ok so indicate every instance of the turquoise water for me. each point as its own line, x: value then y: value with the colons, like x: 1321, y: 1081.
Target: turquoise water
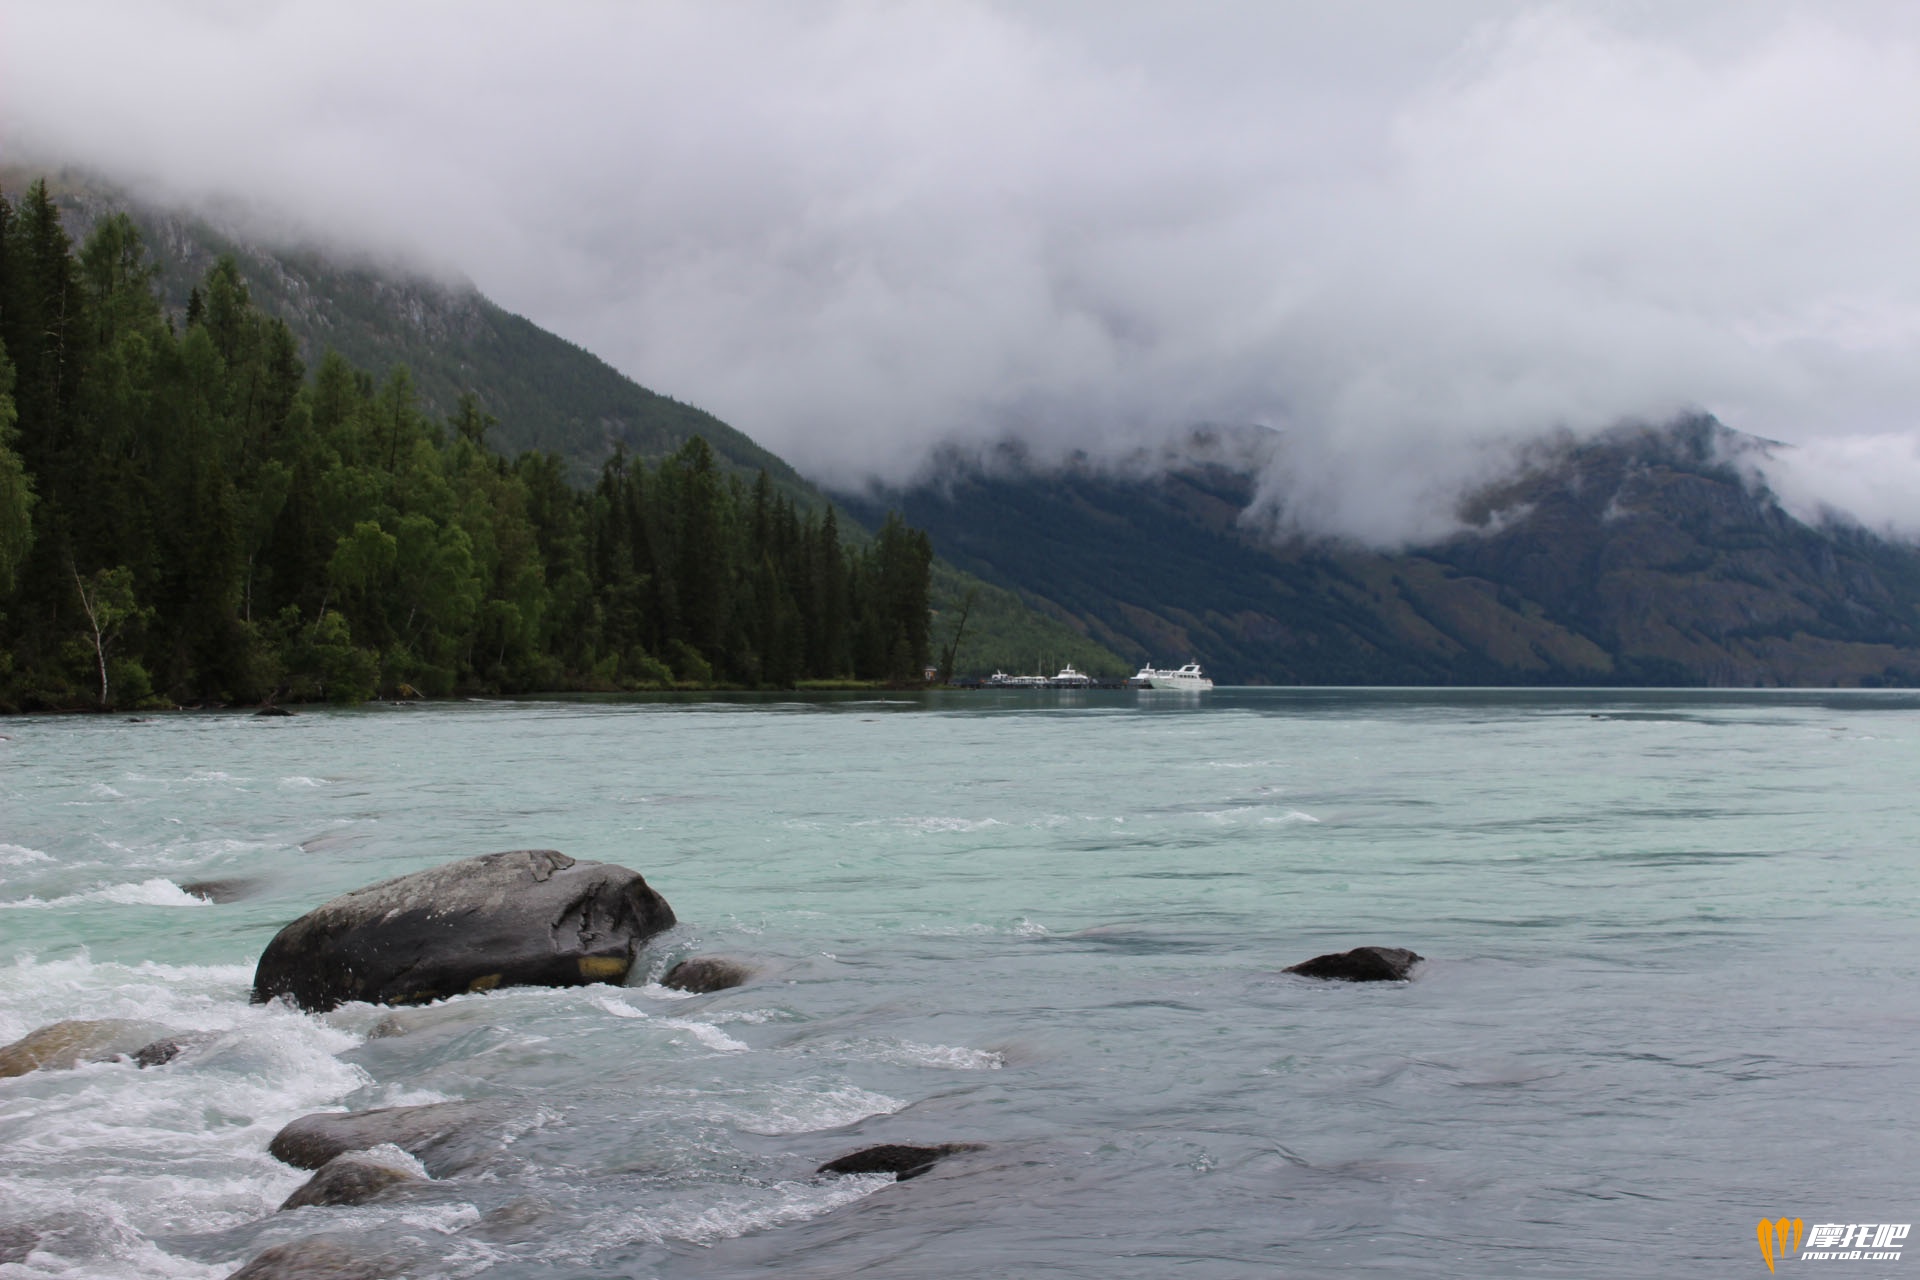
x: 1670, y: 987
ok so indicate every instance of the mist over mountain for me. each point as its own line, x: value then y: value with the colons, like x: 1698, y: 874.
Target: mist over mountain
x: 1645, y: 556
x: 1410, y: 238
x: 544, y: 392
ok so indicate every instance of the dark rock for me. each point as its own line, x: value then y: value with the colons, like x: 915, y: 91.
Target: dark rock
x: 1362, y: 964
x: 531, y: 917
x: 16, y: 1242
x: 273, y: 711
x: 320, y: 1258
x: 443, y: 1136
x: 60, y: 1045
x: 160, y: 1052
x: 703, y: 974
x: 898, y: 1159
x: 222, y: 890
x: 512, y: 1222
x: 353, y: 1177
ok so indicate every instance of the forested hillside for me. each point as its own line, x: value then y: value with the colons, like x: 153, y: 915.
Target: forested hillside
x: 544, y: 392
x: 186, y: 516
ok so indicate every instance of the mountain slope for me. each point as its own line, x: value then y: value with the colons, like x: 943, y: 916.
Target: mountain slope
x: 547, y: 393
x: 1641, y: 558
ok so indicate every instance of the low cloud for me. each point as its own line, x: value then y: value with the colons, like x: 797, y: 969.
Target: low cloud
x: 1404, y: 237
x: 1866, y: 480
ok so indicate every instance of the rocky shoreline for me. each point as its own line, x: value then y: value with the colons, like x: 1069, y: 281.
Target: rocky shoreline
x: 518, y: 918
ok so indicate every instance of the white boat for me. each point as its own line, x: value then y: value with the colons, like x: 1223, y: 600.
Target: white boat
x: 1189, y: 677
x: 1067, y: 679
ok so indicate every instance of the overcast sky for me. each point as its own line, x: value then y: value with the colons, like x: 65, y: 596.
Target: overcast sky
x: 1404, y: 234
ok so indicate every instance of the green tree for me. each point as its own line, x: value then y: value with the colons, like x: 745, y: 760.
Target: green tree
x: 267, y: 531
x: 16, y: 489
x: 107, y: 601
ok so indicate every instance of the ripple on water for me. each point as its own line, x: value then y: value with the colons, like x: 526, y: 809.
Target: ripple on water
x: 15, y: 855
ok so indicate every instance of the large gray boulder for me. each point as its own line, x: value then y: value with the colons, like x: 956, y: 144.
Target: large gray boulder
x: 532, y: 917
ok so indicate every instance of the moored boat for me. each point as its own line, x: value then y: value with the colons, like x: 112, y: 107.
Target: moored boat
x: 1189, y: 678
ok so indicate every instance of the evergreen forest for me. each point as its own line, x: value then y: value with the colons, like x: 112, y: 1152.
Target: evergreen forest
x: 188, y: 517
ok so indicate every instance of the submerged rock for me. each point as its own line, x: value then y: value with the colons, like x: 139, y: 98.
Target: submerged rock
x: 1362, y: 964
x: 901, y: 1160
x: 320, y: 1258
x: 531, y: 917
x: 354, y: 1177
x: 273, y: 711
x: 60, y: 1045
x: 17, y: 1240
x: 391, y: 1025
x: 443, y: 1136
x: 230, y: 890
x: 165, y: 1050
x: 704, y: 974
x: 512, y: 1222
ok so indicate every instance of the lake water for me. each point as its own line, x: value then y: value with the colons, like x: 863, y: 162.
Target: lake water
x: 1670, y: 986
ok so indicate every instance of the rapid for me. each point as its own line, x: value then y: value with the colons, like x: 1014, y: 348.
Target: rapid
x: 1670, y: 984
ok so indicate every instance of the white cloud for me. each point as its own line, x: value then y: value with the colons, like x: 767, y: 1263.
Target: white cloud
x: 1868, y: 480
x: 1404, y: 235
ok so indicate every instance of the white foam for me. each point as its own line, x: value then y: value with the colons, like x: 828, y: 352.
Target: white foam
x: 1236, y: 814
x: 701, y: 1218
x: 147, y: 893
x: 299, y: 781
x: 934, y: 825
x: 388, y: 1156
x: 777, y: 1205
x: 796, y: 1109
x: 1021, y: 928
x: 18, y: 855
x: 443, y: 1219
x: 909, y: 1053
x: 88, y: 1238
x: 706, y: 1033
x: 621, y: 1009
x: 185, y: 1143
x: 752, y: 1017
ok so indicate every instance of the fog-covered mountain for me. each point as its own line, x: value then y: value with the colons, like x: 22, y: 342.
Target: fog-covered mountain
x: 1649, y: 556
